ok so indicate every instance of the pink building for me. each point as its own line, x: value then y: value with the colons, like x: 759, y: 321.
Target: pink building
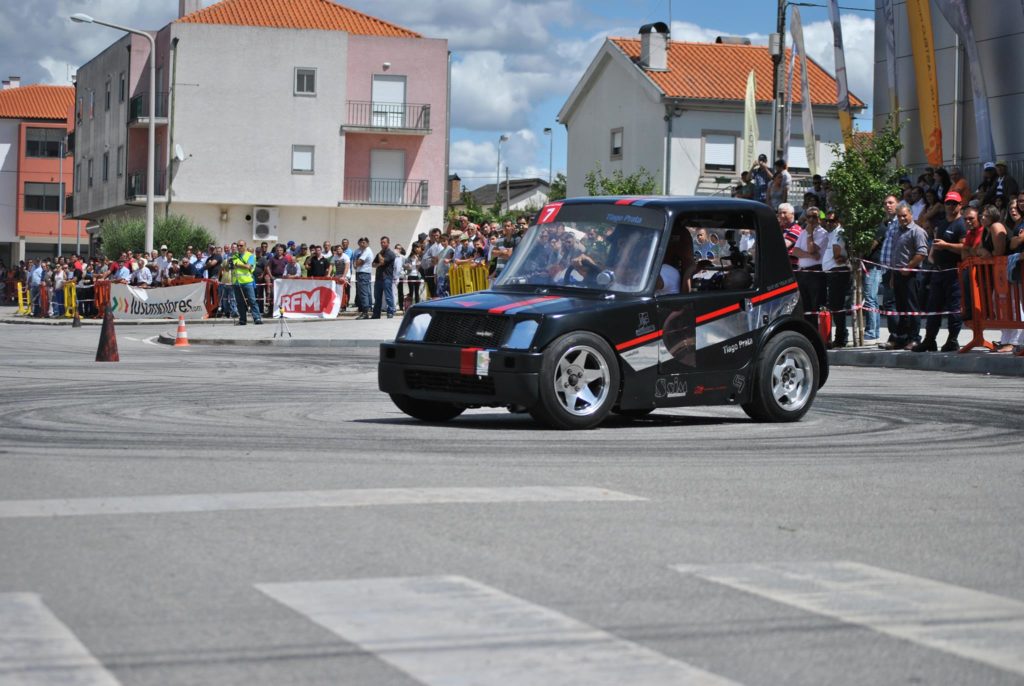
x: 303, y: 121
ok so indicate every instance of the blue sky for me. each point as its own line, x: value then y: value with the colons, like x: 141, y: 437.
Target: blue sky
x: 514, y: 63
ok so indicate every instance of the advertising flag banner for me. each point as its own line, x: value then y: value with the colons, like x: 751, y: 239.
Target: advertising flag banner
x: 922, y: 43
x: 842, y: 90
x: 955, y: 12
x: 307, y: 298
x: 805, y: 94
x: 750, y: 130
x: 129, y: 302
x: 787, y: 123
x: 890, y: 56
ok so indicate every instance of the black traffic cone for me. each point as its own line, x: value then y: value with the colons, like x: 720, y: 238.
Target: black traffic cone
x: 107, y: 352
x: 76, y: 322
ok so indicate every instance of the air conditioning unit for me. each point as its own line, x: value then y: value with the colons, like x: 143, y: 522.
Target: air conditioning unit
x: 264, y: 223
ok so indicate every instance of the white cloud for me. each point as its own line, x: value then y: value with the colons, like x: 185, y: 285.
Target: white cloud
x: 687, y: 31
x: 859, y: 43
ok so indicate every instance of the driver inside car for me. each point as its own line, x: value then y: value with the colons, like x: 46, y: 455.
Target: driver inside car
x: 627, y: 247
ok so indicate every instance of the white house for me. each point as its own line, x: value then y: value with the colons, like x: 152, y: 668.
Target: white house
x: 676, y: 110
x: 518, y: 195
x: 304, y: 120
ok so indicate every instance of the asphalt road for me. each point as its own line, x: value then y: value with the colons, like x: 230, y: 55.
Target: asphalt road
x: 163, y: 519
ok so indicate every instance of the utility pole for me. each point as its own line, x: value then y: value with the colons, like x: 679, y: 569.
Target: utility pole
x: 777, y: 47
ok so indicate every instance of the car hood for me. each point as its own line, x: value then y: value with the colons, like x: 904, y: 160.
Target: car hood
x: 497, y: 303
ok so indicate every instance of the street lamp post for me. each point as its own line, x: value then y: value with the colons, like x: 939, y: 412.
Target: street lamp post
x: 151, y: 153
x: 497, y: 177
x: 551, y: 152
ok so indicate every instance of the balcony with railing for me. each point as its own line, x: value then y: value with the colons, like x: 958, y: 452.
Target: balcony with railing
x: 398, y: 118
x: 135, y: 187
x: 138, y: 109
x: 387, y: 192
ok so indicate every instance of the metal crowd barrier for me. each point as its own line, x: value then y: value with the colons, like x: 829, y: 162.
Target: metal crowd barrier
x: 467, y: 278
x: 995, y: 302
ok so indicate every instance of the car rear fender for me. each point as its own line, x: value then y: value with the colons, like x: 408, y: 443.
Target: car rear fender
x: 800, y: 326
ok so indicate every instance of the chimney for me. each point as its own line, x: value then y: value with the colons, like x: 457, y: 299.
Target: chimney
x: 455, y: 188
x: 188, y: 7
x: 12, y: 82
x: 654, y: 46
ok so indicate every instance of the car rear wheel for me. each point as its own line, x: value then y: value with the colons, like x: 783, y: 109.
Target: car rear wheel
x: 579, y: 382
x: 426, y: 410
x: 785, y: 379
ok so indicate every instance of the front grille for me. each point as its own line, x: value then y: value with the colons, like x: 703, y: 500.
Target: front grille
x: 447, y: 382
x: 467, y: 330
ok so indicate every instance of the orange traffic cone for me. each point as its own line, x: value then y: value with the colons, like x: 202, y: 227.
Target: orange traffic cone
x: 107, y: 351
x: 181, y: 340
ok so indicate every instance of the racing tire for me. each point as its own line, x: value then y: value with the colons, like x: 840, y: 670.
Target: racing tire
x: 426, y: 410
x: 786, y: 377
x: 579, y: 382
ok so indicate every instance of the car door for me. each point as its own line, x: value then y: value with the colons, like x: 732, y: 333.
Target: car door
x: 708, y: 333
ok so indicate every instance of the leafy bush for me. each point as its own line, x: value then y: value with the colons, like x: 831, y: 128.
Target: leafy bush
x: 640, y: 182
x: 176, y: 232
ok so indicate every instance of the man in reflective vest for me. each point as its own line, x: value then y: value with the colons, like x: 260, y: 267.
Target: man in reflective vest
x: 242, y: 265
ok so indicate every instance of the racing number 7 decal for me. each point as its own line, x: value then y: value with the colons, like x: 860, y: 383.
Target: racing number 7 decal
x: 548, y: 214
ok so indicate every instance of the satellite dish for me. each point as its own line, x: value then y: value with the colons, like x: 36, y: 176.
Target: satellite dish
x: 179, y: 152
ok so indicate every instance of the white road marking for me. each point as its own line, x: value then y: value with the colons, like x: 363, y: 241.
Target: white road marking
x: 967, y: 623
x: 453, y: 631
x: 280, y: 500
x: 37, y: 649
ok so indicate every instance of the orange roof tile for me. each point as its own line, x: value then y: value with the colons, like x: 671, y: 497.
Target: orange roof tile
x: 37, y: 102
x: 296, y: 14
x: 718, y: 71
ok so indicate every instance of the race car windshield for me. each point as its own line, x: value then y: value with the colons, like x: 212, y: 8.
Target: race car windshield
x: 607, y: 251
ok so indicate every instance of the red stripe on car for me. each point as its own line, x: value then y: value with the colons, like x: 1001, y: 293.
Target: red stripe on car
x: 467, y: 361
x: 771, y: 294
x: 521, y: 303
x: 735, y: 307
x: 639, y: 340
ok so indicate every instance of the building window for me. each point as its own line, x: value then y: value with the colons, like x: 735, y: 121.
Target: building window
x: 78, y: 110
x: 305, y: 81
x: 43, y: 197
x: 797, y: 162
x: 43, y: 142
x: 89, y: 175
x: 78, y: 177
x: 106, y: 166
x: 106, y: 97
x: 720, y: 152
x: 616, y: 144
x: 120, y: 161
x: 122, y: 88
x: 302, y: 159
x: 92, y: 104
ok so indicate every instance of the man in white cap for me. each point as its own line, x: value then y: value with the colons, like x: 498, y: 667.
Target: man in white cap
x: 1006, y: 185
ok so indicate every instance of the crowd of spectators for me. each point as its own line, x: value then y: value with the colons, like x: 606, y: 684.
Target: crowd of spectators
x: 911, y: 268
x: 377, y: 283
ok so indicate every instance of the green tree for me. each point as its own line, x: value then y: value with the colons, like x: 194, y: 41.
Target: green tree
x: 861, y: 176
x: 640, y: 182
x: 122, y: 234
x: 557, y: 190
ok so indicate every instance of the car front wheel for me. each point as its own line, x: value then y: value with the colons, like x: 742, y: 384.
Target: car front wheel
x: 579, y: 382
x: 426, y: 410
x: 785, y: 379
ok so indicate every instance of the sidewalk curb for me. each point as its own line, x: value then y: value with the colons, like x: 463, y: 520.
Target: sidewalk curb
x: 955, y: 363
x: 32, y: 321
x: 168, y: 339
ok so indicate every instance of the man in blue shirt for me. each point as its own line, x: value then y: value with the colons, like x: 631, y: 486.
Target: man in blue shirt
x: 35, y: 281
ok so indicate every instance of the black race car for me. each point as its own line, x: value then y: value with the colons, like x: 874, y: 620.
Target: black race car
x: 619, y: 305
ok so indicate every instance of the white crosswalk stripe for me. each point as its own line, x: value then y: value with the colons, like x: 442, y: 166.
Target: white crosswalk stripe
x: 37, y: 649
x: 280, y: 500
x: 964, y: 622
x: 453, y: 631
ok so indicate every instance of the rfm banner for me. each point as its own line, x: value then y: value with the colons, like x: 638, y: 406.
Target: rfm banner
x: 159, y: 303
x: 307, y: 298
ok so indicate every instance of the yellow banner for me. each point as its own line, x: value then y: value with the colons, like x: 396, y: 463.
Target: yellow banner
x: 919, y: 17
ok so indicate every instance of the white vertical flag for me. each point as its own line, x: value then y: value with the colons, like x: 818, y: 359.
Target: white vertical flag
x: 842, y: 90
x: 750, y: 130
x: 810, y: 145
x: 787, y: 130
x: 955, y: 12
x: 890, y: 56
